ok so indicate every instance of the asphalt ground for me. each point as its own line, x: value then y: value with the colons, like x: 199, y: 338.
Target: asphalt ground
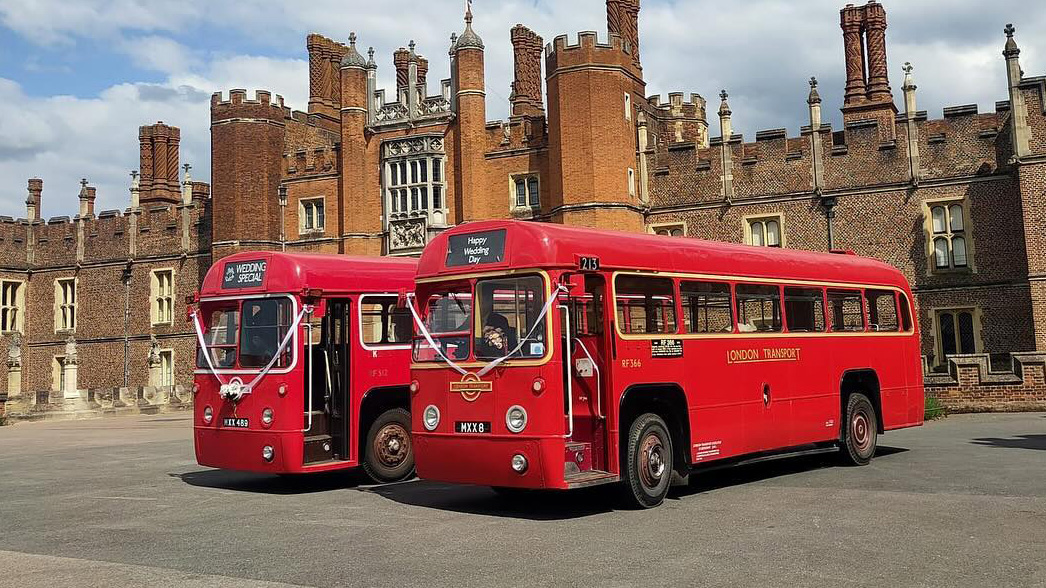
x: 121, y: 502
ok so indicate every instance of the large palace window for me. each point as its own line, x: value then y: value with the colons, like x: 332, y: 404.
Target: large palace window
x: 948, y: 236
x: 415, y: 184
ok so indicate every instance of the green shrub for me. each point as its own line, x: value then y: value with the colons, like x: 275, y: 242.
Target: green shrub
x: 934, y: 409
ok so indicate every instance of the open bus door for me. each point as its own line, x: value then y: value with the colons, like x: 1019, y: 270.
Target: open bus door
x: 587, y: 368
x: 326, y: 425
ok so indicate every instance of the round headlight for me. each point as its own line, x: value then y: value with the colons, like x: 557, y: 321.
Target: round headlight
x: 516, y: 419
x: 208, y: 414
x: 267, y: 416
x: 431, y: 417
x: 519, y: 463
x: 268, y: 453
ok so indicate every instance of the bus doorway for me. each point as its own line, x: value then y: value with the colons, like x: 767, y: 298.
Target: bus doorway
x: 588, y: 371
x: 327, y: 407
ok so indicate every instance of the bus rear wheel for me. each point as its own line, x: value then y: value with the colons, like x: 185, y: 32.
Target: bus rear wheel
x: 860, y: 431
x: 388, y: 452
x: 648, y: 462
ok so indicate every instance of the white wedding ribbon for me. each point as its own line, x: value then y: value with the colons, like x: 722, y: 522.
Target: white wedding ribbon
x: 235, y: 389
x: 493, y: 364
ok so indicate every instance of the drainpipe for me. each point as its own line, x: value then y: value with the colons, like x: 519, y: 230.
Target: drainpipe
x: 281, y: 195
x: 829, y: 202
x: 126, y: 325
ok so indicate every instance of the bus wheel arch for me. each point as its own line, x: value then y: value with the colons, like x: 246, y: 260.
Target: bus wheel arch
x: 864, y: 381
x: 667, y: 401
x: 384, y: 420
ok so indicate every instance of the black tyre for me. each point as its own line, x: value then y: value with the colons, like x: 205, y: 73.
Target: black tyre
x: 647, y: 462
x: 860, y: 431
x: 388, y: 454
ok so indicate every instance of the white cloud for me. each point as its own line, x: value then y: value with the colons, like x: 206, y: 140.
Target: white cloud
x: 162, y: 54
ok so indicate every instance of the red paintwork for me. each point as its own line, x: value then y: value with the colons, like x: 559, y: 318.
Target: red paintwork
x: 338, y: 276
x: 725, y: 407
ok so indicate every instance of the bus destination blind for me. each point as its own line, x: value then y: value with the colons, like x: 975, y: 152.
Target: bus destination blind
x: 476, y: 248
x: 244, y: 274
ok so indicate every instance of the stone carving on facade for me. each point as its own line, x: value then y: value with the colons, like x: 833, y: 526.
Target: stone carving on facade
x: 407, y: 234
x: 71, y: 357
x: 154, y: 351
x: 434, y: 105
x: 413, y: 146
x: 14, y: 351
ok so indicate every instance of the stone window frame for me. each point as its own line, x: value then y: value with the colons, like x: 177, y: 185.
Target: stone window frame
x: 60, y: 304
x: 399, y: 194
x: 319, y: 223
x: 529, y: 206
x: 167, y: 370
x: 656, y: 228
x: 17, y: 305
x: 157, y: 298
x: 58, y: 373
x: 631, y: 175
x: 628, y: 106
x: 939, y: 360
x: 750, y: 220
x: 949, y: 234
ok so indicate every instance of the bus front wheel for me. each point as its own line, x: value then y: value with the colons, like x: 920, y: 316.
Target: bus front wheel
x: 860, y: 431
x: 388, y: 453
x: 648, y: 461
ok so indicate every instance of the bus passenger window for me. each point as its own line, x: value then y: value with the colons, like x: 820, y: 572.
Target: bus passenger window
x: 758, y: 308
x: 382, y: 323
x: 906, y: 313
x: 847, y: 314
x: 706, y: 307
x: 804, y: 310
x: 645, y: 305
x: 882, y: 310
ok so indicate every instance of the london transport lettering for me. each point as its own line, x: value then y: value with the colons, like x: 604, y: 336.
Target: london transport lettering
x: 762, y: 354
x: 244, y: 274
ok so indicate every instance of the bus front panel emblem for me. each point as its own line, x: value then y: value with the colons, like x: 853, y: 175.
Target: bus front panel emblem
x: 471, y: 387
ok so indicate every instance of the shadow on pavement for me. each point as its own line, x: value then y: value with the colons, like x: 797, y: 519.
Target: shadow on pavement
x: 1018, y: 442
x: 546, y: 505
x: 271, y: 484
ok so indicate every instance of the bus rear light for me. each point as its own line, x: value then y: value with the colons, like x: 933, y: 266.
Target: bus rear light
x: 539, y: 385
x: 283, y: 390
x: 430, y: 417
x: 414, y: 386
x: 208, y: 415
x: 268, y: 453
x: 516, y: 419
x: 195, y: 388
x: 267, y: 415
x: 519, y: 463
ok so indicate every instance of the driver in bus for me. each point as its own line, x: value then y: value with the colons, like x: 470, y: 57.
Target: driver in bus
x: 495, y: 340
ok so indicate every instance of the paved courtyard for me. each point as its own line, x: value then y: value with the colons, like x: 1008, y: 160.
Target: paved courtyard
x: 121, y: 502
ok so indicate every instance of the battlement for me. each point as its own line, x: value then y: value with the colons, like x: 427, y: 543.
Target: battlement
x: 237, y: 105
x: 589, y: 50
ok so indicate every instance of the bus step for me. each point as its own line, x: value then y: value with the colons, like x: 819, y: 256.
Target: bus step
x: 319, y: 423
x: 578, y: 458
x: 318, y: 448
x: 590, y: 478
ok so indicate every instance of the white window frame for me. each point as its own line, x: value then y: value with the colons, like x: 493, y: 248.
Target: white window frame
x: 307, y: 213
x: 628, y: 106
x: 526, y: 177
x: 161, y: 304
x: 17, y: 305
x: 762, y: 220
x: 948, y: 234
x: 365, y: 299
x: 406, y: 197
x: 660, y: 228
x: 62, y: 306
x: 166, y: 369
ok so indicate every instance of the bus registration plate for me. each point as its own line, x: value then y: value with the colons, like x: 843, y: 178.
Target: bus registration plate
x: 235, y: 423
x: 472, y: 427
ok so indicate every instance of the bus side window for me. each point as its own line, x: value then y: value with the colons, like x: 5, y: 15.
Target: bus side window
x: 382, y: 322
x: 804, y: 310
x: 847, y: 313
x: 906, y: 312
x: 588, y: 308
x: 758, y: 308
x: 706, y: 307
x: 645, y: 305
x: 882, y: 310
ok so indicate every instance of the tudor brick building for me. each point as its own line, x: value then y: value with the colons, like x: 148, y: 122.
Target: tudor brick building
x: 956, y: 203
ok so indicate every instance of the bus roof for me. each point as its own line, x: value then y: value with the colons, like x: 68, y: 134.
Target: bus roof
x: 243, y: 273
x: 529, y: 244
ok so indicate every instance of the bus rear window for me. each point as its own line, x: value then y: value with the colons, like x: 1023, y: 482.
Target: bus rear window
x: 645, y: 305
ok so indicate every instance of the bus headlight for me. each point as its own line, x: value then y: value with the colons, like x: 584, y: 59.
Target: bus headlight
x: 208, y: 415
x: 519, y: 463
x: 267, y: 415
x: 516, y: 419
x: 431, y: 417
x: 268, y: 453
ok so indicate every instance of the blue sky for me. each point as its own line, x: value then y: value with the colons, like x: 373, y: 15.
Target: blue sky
x: 77, y: 77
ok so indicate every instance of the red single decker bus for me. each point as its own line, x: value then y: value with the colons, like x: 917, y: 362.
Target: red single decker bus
x: 303, y: 364
x: 558, y: 357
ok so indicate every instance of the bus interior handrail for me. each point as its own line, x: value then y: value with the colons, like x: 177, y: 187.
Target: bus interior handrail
x: 570, y: 376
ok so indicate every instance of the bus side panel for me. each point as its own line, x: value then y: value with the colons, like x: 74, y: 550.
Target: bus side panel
x: 724, y: 413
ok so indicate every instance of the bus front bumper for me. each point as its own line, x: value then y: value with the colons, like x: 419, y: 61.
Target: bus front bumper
x: 242, y: 450
x: 487, y: 460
